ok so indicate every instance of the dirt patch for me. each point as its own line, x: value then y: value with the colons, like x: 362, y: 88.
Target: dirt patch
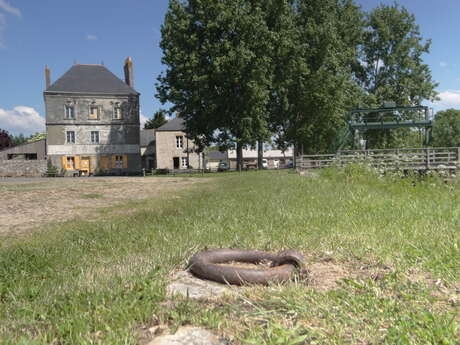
x: 325, y: 273
x: 30, y: 203
x: 325, y: 276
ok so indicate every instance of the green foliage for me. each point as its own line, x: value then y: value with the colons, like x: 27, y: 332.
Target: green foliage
x: 19, y: 139
x: 22, y: 139
x: 158, y: 120
x: 446, y: 128
x: 218, y: 69
x: 313, y: 86
x: 241, y: 71
x: 51, y: 170
x: 36, y: 137
x: 392, y: 68
x: 5, y: 140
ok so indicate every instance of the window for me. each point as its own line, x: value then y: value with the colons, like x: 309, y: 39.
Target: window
x: 117, y: 114
x: 179, y: 142
x: 184, y: 162
x: 118, y: 162
x: 70, y: 137
x: 30, y: 156
x: 69, y: 112
x: 70, y: 163
x: 94, y: 137
x: 93, y: 112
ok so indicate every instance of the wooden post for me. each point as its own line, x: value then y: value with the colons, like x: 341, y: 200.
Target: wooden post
x: 427, y: 159
x: 458, y: 156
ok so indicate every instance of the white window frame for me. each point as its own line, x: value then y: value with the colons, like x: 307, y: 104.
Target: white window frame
x: 179, y: 142
x: 119, y: 161
x: 117, y: 112
x: 94, y: 135
x: 71, y: 160
x: 67, y: 108
x: 184, y: 162
x: 70, y: 135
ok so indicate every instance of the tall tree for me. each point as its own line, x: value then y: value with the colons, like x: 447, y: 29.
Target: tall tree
x: 5, y: 139
x: 392, y: 67
x: 218, y: 72
x: 313, y: 78
x: 446, y: 128
x: 158, y: 120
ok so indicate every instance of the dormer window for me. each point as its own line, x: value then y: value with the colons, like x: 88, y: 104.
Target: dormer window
x: 69, y: 112
x: 93, y: 112
x: 117, y: 113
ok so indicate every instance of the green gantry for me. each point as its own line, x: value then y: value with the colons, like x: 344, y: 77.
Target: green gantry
x: 387, y: 117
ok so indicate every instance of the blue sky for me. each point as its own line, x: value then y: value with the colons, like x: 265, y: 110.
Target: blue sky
x: 34, y: 33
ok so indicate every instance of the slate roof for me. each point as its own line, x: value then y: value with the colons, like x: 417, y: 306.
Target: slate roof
x: 91, y: 79
x: 147, y: 137
x: 176, y: 124
x: 217, y: 155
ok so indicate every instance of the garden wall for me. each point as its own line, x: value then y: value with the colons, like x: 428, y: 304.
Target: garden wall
x: 22, y: 168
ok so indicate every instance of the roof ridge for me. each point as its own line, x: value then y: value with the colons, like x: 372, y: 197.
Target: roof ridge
x: 100, y: 80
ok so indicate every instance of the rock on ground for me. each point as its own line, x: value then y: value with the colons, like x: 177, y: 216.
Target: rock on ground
x: 185, y: 284
x: 309, y: 174
x: 189, y: 336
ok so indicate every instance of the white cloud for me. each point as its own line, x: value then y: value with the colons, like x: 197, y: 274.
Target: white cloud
x: 143, y: 119
x: 10, y: 9
x: 90, y: 37
x: 443, y: 64
x: 21, y: 119
x: 449, y: 98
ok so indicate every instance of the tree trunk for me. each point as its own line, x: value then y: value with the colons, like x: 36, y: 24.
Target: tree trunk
x: 239, y: 156
x: 295, y: 153
x: 260, y: 153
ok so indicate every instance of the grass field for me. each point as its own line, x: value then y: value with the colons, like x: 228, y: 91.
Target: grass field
x: 387, y: 248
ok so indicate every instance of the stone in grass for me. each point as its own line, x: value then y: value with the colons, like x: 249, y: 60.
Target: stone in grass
x: 309, y: 174
x: 185, y: 284
x: 189, y: 336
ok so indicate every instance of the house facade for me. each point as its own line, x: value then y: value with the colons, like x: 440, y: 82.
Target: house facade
x: 173, y: 149
x: 274, y: 158
x: 92, y: 121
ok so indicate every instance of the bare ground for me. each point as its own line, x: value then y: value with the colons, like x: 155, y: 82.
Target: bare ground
x: 27, y: 204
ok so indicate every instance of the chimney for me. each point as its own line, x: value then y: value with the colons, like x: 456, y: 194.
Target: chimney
x: 129, y: 71
x: 47, y: 76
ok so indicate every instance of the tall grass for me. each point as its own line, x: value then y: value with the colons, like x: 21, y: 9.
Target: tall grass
x: 94, y: 283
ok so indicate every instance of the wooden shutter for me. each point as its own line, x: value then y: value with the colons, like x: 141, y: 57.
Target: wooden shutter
x: 125, y: 161
x: 77, y: 162
x: 114, y: 161
x: 104, y: 164
x: 64, y: 162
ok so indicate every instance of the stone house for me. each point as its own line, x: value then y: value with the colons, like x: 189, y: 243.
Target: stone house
x: 173, y: 150
x: 274, y: 158
x: 92, y: 121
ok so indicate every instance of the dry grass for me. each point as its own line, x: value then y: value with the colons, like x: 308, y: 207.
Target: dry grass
x: 35, y: 202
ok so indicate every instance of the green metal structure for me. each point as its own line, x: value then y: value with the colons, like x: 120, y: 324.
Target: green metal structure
x: 387, y: 117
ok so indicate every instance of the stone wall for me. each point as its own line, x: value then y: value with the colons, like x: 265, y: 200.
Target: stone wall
x: 166, y: 150
x: 22, y: 168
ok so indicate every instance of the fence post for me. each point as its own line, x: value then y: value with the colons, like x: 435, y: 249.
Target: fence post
x: 458, y: 156
x: 427, y: 159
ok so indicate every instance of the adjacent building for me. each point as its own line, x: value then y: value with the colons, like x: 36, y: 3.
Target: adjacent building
x: 173, y: 149
x: 92, y: 121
